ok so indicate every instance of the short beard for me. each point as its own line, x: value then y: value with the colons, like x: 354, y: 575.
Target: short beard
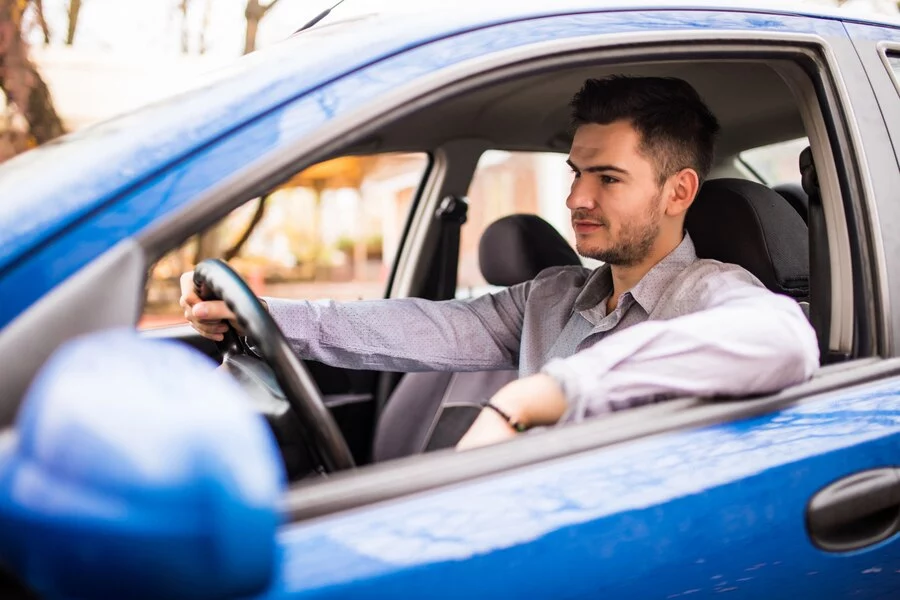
x: 634, y: 243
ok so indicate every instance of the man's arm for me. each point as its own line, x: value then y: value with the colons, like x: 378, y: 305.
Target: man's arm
x: 402, y: 335
x: 407, y: 334
x: 749, y: 342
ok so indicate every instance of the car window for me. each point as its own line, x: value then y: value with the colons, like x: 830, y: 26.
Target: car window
x: 507, y: 183
x: 332, y: 231
x: 775, y: 164
x: 893, y: 59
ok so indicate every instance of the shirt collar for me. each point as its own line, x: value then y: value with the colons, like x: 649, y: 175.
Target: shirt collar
x: 649, y: 289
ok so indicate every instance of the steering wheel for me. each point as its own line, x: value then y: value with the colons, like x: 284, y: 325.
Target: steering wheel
x: 215, y: 280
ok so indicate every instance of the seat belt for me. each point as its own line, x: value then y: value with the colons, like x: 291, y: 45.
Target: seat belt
x: 452, y: 214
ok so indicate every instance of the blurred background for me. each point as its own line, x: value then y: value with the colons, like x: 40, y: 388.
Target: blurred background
x: 332, y: 230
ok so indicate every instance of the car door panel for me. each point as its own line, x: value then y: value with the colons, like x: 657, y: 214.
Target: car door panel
x: 687, y: 514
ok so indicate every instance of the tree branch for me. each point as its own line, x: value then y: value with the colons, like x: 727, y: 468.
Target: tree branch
x: 42, y: 21
x: 257, y: 217
x: 268, y: 7
x: 74, y: 11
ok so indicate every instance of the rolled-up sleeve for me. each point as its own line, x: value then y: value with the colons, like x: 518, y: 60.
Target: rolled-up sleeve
x: 745, y: 341
x: 407, y: 334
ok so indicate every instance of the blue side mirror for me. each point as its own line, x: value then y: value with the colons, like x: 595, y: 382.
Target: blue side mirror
x: 137, y: 471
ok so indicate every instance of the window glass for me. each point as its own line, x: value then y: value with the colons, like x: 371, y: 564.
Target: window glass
x: 507, y: 183
x: 776, y: 163
x: 894, y: 61
x: 332, y: 231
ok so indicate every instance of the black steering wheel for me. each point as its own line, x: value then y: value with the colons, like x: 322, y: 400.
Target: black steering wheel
x: 215, y: 280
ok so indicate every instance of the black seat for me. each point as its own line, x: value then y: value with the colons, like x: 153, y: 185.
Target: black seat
x: 746, y: 223
x: 794, y: 194
x: 430, y: 411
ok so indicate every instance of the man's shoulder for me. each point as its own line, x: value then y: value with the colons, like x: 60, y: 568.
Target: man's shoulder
x: 706, y: 283
x: 714, y: 272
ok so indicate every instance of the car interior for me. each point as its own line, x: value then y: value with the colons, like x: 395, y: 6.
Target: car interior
x: 777, y: 232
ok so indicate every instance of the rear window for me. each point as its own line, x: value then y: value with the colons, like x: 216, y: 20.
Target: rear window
x: 776, y: 163
x: 893, y: 60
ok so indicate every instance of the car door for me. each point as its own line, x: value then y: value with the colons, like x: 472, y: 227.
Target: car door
x: 749, y: 508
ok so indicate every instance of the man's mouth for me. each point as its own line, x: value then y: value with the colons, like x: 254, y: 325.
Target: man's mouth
x: 582, y: 226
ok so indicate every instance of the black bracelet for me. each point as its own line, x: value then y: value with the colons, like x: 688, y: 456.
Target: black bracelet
x: 518, y: 426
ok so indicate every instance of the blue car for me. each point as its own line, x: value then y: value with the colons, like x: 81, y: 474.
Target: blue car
x: 132, y: 467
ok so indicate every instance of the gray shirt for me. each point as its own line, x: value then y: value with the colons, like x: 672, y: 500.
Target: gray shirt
x: 689, y: 327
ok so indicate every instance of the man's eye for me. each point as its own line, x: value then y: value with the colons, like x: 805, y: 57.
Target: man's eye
x: 606, y: 179
x: 576, y: 174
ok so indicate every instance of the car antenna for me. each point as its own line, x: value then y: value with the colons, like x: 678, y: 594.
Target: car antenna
x: 319, y: 17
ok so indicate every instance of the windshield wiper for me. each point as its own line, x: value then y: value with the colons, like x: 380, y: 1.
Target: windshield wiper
x: 319, y: 17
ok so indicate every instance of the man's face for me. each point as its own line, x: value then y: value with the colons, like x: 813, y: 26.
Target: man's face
x: 615, y: 199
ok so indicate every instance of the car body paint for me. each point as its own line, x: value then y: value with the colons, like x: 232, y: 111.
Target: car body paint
x: 639, y: 520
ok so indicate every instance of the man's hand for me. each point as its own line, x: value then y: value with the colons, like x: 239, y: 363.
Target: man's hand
x: 533, y: 401
x: 208, y: 318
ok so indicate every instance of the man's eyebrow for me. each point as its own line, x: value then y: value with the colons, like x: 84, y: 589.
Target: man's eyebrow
x: 597, y: 168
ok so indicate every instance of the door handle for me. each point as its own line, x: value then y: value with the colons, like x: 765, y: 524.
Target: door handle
x: 856, y: 511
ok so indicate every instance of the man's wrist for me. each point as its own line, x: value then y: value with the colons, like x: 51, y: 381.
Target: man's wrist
x: 532, y: 401
x: 511, y: 421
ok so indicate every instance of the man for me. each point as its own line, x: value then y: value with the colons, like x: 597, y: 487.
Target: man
x: 653, y: 322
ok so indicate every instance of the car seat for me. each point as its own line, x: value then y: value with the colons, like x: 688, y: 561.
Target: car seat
x: 430, y: 411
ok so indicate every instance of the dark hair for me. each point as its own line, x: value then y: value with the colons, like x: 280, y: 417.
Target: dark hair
x: 677, y: 129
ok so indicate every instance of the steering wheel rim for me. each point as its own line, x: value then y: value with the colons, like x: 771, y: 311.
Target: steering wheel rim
x: 215, y: 280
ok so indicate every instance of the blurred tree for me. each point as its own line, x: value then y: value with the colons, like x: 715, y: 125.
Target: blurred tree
x: 183, y: 6
x: 31, y: 117
x: 254, y: 13
x: 73, y: 12
x: 42, y: 21
x: 186, y: 9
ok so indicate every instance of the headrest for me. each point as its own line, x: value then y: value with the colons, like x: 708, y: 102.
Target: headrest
x: 748, y: 224
x: 796, y: 197
x: 516, y: 248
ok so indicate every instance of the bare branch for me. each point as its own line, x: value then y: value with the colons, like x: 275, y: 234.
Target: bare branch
x: 257, y: 217
x: 254, y: 12
x: 74, y: 11
x: 42, y: 21
x: 269, y: 6
x: 183, y: 9
x: 204, y: 26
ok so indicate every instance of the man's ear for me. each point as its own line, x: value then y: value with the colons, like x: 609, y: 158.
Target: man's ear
x: 684, y: 186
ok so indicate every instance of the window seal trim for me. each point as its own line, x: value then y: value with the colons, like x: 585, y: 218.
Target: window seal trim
x: 884, y: 48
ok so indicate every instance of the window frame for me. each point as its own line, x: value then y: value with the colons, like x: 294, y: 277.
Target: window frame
x: 385, y: 482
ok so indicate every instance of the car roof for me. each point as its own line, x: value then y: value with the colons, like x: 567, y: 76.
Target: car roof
x: 478, y: 13
x: 93, y: 167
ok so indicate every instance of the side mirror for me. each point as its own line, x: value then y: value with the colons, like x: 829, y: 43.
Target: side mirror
x: 137, y: 471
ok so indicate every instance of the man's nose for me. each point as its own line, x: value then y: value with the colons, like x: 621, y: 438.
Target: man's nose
x: 580, y: 196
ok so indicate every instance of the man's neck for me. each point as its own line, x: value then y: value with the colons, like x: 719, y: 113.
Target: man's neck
x: 625, y: 277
